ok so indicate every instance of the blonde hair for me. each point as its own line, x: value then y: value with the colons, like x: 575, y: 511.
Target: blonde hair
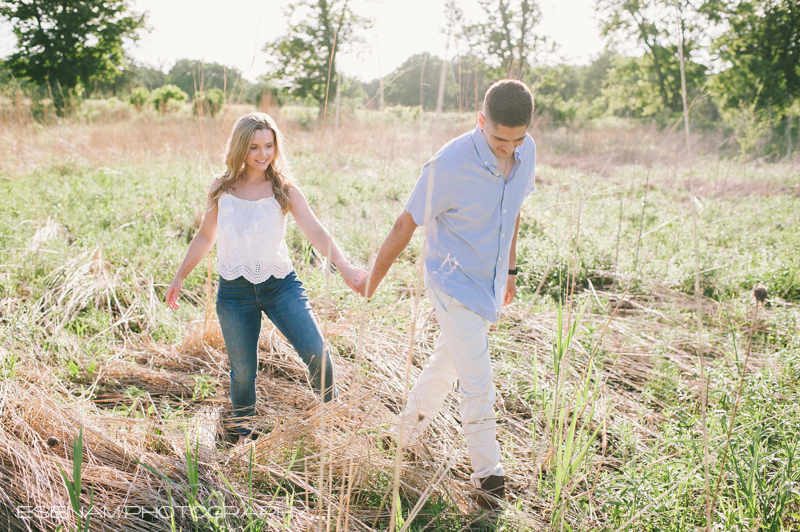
x: 278, y: 171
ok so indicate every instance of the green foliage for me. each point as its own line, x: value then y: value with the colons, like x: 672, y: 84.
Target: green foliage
x: 195, y: 76
x: 505, y: 38
x: 657, y: 27
x: 204, y: 387
x: 131, y: 75
x: 760, y: 49
x: 302, y: 59
x: 6, y: 78
x: 418, y: 77
x: 414, y: 82
x: 209, y: 102
x: 139, y: 97
x: 165, y: 94
x: 8, y: 363
x: 766, y: 470
x: 566, y: 93
x: 749, y: 125
x: 74, y: 487
x: 571, y: 440
x: 628, y: 90
x: 64, y: 46
x: 42, y: 112
x: 264, y: 95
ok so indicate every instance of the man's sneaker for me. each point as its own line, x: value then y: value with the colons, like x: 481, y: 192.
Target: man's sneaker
x: 491, y: 492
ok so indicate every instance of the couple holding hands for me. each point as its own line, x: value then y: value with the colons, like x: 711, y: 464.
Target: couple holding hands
x: 468, y: 198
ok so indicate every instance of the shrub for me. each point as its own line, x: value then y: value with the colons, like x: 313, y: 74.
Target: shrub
x: 166, y: 93
x: 265, y: 96
x: 139, y: 97
x: 208, y: 102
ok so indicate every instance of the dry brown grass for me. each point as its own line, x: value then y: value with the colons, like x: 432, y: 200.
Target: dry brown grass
x: 333, y: 454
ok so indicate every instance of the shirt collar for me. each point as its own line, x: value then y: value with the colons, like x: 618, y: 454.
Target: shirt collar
x: 485, y: 152
x: 483, y: 149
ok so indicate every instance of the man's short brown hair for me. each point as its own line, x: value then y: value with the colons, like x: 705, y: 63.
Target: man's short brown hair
x: 509, y: 103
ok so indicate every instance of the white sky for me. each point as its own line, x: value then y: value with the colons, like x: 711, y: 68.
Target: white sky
x: 233, y: 32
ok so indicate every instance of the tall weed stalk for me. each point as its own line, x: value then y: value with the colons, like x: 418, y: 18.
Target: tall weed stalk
x: 697, y: 292
x: 570, y: 441
x: 74, y: 487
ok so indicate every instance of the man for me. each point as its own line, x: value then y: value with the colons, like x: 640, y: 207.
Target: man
x: 468, y: 198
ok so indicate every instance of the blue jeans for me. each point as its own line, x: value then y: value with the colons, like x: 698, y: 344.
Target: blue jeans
x: 284, y: 301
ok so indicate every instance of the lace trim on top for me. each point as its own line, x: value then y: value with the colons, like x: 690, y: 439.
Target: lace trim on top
x: 251, y: 239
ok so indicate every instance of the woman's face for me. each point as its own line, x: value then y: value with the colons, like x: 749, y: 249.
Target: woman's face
x: 261, y: 151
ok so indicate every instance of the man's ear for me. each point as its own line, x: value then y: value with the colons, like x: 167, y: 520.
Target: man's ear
x: 481, y: 120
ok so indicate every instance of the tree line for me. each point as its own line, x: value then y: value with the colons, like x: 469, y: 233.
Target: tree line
x: 742, y: 59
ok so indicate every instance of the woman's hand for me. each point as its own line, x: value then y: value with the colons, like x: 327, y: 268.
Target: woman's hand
x: 172, y: 294
x: 352, y: 275
x: 365, y: 286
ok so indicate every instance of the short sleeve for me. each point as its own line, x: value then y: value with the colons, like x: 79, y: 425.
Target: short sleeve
x: 532, y: 175
x: 531, y: 182
x: 430, y: 196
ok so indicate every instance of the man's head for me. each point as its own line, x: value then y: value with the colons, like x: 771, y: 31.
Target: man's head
x: 507, y: 112
x: 509, y: 103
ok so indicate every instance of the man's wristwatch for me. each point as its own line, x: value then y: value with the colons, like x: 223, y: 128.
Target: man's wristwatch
x: 514, y: 271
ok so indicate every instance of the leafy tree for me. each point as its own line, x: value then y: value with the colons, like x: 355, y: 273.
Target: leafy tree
x: 5, y: 74
x: 193, y: 76
x: 63, y: 45
x: 406, y: 90
x: 657, y: 26
x: 418, y: 76
x: 304, y: 60
x: 571, y: 92
x: 761, y: 47
x: 568, y: 92
x: 132, y: 75
x: 630, y: 89
x: 594, y: 75
x: 505, y: 39
x: 145, y: 76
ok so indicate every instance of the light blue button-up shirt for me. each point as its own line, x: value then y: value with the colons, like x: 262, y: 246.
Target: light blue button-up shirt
x: 469, y: 209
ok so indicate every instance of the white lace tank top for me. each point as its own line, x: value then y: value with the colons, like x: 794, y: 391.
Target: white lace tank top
x: 251, y: 239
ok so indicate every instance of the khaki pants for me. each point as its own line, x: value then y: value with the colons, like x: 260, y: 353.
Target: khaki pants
x: 461, y: 353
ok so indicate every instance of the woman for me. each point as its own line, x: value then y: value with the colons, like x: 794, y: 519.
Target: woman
x: 246, y: 216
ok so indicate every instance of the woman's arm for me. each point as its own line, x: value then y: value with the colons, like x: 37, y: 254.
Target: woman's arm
x: 201, y: 244
x: 320, y: 238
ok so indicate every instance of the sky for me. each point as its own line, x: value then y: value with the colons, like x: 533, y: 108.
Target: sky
x: 233, y: 32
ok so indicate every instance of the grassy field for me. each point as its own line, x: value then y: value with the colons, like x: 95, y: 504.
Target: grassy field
x: 628, y: 400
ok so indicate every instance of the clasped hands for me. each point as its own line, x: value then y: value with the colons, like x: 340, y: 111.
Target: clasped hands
x: 359, y: 280
x: 366, y: 284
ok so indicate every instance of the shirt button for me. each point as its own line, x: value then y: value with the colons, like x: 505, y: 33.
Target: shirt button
x: 504, y: 211
x: 502, y: 235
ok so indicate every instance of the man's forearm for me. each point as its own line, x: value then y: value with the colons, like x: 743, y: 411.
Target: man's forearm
x: 395, y: 242
x: 512, y: 255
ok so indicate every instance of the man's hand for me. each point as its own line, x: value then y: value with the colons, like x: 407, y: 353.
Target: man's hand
x: 395, y: 242
x: 352, y: 275
x: 366, y: 286
x: 511, y: 289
